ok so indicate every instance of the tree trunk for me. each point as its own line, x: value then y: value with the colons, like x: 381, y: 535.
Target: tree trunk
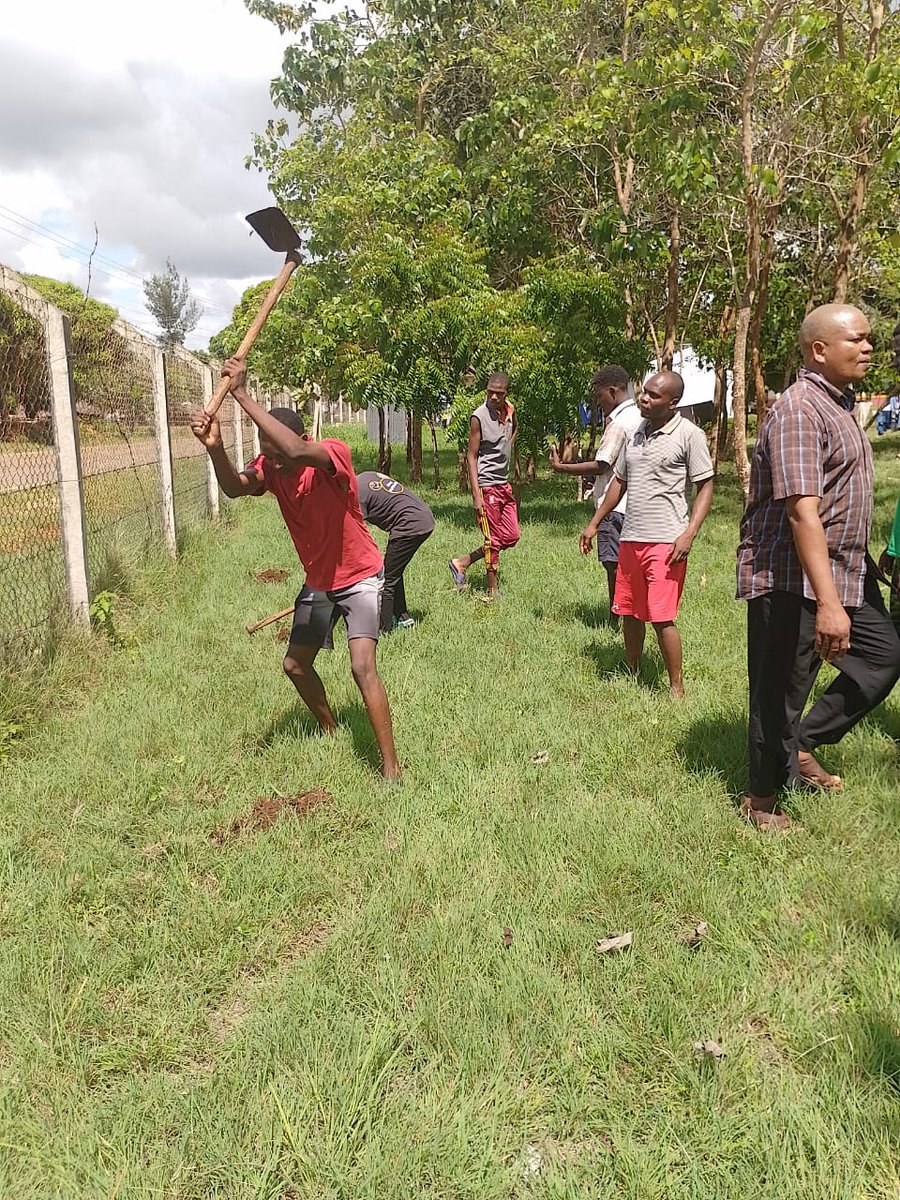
x: 384, y: 449
x: 759, y: 312
x: 415, y: 422
x: 409, y: 437
x: 852, y: 215
x: 720, y: 409
x: 667, y: 356
x: 436, y: 479
x: 739, y: 395
x: 463, y: 469
x: 530, y: 468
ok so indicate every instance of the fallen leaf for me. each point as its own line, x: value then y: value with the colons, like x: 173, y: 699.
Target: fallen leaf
x: 703, y: 581
x: 695, y: 936
x: 541, y: 758
x: 615, y: 941
x: 272, y: 575
x: 283, y: 634
x: 392, y: 841
x: 709, y: 1049
x: 507, y: 937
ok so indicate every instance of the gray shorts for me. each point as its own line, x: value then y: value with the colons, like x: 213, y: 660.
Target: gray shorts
x: 359, y: 605
x: 608, y: 532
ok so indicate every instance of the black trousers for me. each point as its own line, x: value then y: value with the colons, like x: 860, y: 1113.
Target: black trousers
x: 782, y: 666
x: 397, y: 558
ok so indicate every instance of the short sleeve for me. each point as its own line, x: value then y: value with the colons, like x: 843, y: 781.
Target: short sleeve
x: 611, y: 444
x: 258, y: 467
x: 339, y: 453
x: 795, y: 457
x: 699, y: 463
x: 620, y: 470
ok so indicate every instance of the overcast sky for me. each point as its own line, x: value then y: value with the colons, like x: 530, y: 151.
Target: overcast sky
x: 138, y: 123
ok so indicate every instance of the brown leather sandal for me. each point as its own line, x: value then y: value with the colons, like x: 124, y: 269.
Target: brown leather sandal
x: 764, y: 820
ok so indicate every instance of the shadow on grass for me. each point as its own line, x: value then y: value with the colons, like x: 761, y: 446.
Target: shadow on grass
x: 718, y: 745
x: 876, y: 1050
x: 609, y: 661
x: 298, y: 722
x: 594, y: 616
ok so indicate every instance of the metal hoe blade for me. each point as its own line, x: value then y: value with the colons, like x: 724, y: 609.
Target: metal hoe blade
x: 275, y: 229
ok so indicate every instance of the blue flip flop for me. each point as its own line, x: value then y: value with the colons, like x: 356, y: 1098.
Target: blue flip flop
x: 458, y: 577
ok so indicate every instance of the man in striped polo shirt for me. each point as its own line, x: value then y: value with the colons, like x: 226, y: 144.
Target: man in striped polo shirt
x: 492, y: 436
x: 658, y: 465
x: 805, y: 570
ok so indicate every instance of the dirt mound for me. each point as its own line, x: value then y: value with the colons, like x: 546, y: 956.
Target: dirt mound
x: 272, y: 575
x: 266, y: 811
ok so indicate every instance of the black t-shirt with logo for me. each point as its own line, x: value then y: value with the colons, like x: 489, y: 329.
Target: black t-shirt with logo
x: 385, y: 502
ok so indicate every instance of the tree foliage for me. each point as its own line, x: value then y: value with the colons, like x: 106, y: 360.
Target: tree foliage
x: 609, y: 179
x: 171, y: 305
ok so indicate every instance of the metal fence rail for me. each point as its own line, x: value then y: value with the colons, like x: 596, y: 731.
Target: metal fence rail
x: 97, y: 460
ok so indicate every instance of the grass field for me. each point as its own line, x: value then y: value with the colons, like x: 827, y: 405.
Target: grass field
x: 327, y: 1008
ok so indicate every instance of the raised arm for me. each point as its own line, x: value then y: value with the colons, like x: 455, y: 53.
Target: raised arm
x: 294, y: 450
x: 234, y: 483
x: 591, y: 467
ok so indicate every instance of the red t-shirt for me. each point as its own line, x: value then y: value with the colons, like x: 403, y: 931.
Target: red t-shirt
x: 324, y: 519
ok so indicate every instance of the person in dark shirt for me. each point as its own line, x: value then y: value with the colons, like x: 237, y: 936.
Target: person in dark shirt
x: 408, y: 522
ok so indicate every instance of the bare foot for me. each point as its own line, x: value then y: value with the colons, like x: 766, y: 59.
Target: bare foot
x: 815, y: 775
x: 676, y: 691
x: 764, y: 814
x: 391, y: 774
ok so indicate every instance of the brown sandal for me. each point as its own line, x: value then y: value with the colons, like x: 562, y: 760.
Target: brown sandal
x: 815, y: 776
x: 764, y: 820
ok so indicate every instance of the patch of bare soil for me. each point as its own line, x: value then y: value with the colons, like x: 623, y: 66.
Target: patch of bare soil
x: 266, y: 811
x: 272, y: 575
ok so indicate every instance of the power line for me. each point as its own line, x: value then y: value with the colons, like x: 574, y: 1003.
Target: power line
x: 68, y: 248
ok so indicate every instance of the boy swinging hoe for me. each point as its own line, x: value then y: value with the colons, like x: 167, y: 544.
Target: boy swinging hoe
x: 317, y: 492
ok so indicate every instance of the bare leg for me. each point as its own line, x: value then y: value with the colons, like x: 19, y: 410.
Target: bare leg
x: 298, y: 666
x: 493, y: 581
x: 670, y: 646
x: 462, y: 564
x: 611, y: 569
x: 634, y: 631
x: 365, y: 673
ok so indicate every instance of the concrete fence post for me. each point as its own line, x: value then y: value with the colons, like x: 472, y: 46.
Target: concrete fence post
x: 212, y: 484
x: 254, y: 430
x: 238, y: 433
x: 68, y: 465
x: 163, y: 449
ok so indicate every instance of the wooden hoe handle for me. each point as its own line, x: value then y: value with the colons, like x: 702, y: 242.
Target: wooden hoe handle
x: 251, y: 629
x: 290, y: 266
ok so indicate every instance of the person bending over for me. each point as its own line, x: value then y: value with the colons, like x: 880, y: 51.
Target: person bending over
x: 317, y: 493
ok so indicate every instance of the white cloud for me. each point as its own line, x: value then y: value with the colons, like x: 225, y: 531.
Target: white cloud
x: 141, y: 127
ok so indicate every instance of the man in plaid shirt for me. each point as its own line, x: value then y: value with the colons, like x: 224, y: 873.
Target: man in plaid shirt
x: 804, y: 568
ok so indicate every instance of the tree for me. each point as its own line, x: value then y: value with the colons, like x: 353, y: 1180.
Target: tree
x: 171, y: 305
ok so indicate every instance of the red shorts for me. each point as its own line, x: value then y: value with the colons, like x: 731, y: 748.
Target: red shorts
x: 647, y: 587
x: 501, y: 526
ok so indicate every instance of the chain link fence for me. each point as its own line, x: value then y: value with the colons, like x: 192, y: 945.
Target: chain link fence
x: 97, y: 461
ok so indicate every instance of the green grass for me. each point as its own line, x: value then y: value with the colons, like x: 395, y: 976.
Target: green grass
x: 327, y: 1009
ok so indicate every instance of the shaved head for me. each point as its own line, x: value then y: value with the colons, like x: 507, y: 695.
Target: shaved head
x: 671, y: 382
x: 826, y: 320
x: 836, y: 343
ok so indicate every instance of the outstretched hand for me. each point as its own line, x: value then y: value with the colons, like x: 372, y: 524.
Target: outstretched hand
x: 206, y: 429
